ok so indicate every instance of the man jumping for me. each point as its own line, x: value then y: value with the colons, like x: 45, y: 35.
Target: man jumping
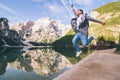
x: 80, y: 25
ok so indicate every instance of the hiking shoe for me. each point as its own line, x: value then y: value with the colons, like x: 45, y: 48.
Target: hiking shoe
x: 78, y: 53
x: 93, y: 36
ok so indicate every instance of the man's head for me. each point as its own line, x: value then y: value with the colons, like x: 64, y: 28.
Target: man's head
x: 79, y: 12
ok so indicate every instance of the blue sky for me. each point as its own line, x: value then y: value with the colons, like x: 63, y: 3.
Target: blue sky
x: 21, y: 10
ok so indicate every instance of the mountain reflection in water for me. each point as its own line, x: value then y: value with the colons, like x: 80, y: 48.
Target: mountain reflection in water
x: 36, y: 64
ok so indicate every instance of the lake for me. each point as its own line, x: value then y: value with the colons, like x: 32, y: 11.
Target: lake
x: 36, y: 63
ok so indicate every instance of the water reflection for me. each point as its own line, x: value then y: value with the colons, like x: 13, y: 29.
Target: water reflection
x: 33, y: 64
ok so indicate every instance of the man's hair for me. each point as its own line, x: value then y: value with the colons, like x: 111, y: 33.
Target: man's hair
x: 81, y: 10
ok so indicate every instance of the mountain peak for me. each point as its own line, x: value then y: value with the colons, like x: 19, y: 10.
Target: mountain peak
x: 42, y: 30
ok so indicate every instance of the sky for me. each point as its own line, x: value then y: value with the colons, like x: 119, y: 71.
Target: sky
x: 17, y: 11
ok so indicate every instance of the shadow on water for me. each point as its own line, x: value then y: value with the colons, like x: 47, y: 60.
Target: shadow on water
x: 70, y: 53
x: 64, y: 46
x: 33, y: 64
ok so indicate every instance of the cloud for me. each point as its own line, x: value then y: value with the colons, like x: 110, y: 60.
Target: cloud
x: 13, y: 16
x: 54, y: 8
x: 59, y: 12
x: 51, y: 6
x: 84, y: 2
x: 7, y: 9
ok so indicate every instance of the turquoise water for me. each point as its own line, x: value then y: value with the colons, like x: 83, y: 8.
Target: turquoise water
x: 31, y: 64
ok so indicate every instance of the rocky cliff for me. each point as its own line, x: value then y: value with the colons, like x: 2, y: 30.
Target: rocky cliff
x: 8, y: 36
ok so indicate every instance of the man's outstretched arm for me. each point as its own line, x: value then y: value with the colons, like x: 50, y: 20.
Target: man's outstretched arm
x: 95, y: 20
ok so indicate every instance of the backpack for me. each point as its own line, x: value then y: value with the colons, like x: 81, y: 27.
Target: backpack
x: 74, y: 24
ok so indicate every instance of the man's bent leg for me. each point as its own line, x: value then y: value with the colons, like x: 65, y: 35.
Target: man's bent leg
x: 75, y: 42
x: 89, y: 40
